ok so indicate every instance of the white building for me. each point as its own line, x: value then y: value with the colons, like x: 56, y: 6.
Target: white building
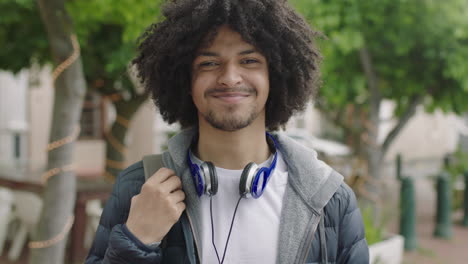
x: 26, y: 102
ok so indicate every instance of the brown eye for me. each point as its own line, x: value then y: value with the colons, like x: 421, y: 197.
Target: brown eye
x: 249, y: 61
x: 208, y: 64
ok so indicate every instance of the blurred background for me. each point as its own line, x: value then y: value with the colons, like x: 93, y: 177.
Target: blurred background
x: 391, y: 116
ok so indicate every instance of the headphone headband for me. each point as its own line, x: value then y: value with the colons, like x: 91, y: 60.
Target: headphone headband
x: 253, y: 178
x: 258, y: 187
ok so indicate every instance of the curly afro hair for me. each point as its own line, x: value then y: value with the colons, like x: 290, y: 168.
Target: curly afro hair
x: 167, y: 50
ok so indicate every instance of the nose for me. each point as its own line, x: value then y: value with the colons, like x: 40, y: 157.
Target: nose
x: 230, y: 76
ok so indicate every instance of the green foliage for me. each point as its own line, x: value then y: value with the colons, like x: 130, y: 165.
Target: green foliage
x: 22, y: 36
x: 417, y: 47
x: 458, y: 164
x: 457, y: 167
x: 374, y: 232
x: 107, y: 31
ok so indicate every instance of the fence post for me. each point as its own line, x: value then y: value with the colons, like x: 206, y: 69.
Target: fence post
x: 444, y: 207
x: 407, y: 209
x: 465, y: 201
x: 398, y: 166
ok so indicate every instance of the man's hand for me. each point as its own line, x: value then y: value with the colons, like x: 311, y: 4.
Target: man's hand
x: 157, y: 208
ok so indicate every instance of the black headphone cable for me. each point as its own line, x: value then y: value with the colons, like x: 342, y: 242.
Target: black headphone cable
x: 230, y: 229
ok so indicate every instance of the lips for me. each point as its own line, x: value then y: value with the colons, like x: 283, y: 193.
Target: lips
x: 230, y: 97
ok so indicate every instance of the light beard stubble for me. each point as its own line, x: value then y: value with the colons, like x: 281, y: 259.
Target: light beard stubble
x: 231, y: 122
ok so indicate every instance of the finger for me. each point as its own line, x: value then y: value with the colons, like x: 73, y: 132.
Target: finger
x: 180, y: 207
x: 171, y: 184
x: 161, y: 175
x: 176, y: 212
x: 177, y: 196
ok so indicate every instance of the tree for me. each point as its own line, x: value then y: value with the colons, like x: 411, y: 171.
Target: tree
x: 410, y: 52
x: 59, y: 194
x: 107, y: 32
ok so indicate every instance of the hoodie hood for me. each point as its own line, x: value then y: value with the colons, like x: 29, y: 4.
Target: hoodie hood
x: 311, y: 184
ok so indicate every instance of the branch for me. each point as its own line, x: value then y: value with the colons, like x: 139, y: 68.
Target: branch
x: 336, y: 117
x: 410, y: 111
x: 58, y: 27
x: 371, y: 77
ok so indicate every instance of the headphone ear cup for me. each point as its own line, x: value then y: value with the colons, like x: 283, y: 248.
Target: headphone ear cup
x: 213, y: 177
x: 246, y: 180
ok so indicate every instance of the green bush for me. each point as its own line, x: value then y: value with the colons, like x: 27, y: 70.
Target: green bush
x: 374, y: 231
x: 457, y: 166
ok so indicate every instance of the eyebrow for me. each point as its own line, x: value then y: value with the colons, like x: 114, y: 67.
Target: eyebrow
x: 214, y: 54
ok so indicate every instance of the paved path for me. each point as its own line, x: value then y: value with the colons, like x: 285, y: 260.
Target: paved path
x: 432, y: 250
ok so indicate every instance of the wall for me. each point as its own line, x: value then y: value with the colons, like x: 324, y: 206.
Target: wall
x: 141, y: 139
x: 13, y: 119
x: 31, y: 105
x: 40, y: 107
x: 423, y: 142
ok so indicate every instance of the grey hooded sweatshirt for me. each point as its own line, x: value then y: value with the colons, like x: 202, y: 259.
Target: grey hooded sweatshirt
x: 314, y: 192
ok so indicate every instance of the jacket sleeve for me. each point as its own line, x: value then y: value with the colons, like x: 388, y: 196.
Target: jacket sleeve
x: 352, y: 245
x: 123, y: 249
x: 113, y: 243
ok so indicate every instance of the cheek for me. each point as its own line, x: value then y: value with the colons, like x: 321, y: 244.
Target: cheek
x: 196, y: 96
x: 199, y: 82
x: 197, y: 91
x: 263, y: 84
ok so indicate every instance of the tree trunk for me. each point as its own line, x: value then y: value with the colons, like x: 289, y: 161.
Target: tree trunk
x: 115, y: 139
x: 60, y: 190
x: 373, y: 150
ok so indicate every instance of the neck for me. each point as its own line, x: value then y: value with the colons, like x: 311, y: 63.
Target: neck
x: 233, y: 150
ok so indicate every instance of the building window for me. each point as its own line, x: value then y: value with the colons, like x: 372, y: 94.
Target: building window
x: 17, y: 146
x: 92, y: 117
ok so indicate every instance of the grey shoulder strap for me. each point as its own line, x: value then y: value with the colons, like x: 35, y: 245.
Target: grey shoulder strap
x: 323, y: 240
x: 152, y: 163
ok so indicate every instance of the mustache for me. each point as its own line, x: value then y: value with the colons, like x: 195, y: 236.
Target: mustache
x: 242, y: 89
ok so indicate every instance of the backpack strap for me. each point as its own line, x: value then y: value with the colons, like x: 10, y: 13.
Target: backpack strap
x: 151, y: 164
x: 323, y: 240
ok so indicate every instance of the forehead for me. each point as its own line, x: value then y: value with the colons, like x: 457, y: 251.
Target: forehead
x: 225, y: 37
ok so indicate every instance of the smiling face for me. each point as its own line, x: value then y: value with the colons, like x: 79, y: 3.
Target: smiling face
x: 230, y: 82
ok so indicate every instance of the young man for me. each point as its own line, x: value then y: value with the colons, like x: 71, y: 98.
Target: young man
x: 229, y: 71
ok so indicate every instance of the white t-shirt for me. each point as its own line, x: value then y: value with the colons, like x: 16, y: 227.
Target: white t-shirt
x: 254, y: 236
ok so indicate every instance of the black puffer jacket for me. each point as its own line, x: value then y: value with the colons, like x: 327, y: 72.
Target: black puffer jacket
x: 314, y: 192
x: 114, y: 244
